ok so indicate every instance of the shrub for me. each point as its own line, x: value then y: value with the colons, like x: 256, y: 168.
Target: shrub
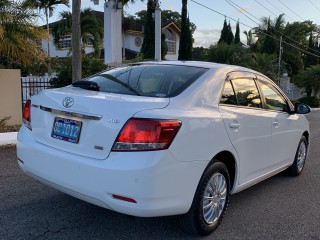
x: 90, y: 66
x: 4, y: 123
x: 311, y: 101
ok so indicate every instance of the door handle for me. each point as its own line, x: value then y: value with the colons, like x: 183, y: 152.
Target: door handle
x: 234, y: 125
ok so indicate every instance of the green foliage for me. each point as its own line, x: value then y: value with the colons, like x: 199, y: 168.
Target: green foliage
x: 4, y: 123
x: 236, y: 54
x: 199, y: 53
x: 269, y: 45
x: 147, y: 48
x: 228, y: 54
x: 18, y: 34
x: 310, y: 101
x: 309, y: 80
x: 90, y: 66
x: 226, y: 34
x: 138, y: 58
x: 186, y: 41
x: 237, y: 34
x: 164, y: 48
x: 90, y: 26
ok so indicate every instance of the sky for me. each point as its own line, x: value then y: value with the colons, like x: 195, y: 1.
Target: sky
x: 209, y: 23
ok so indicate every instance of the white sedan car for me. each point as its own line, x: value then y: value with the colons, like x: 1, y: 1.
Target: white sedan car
x: 163, y: 138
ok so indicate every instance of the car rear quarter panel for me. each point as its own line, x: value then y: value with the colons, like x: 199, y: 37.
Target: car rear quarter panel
x: 202, y: 134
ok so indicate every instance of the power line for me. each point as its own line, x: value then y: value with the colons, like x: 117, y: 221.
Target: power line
x: 265, y: 8
x: 314, y: 5
x: 279, y: 9
x: 240, y: 8
x: 291, y: 10
x: 226, y: 16
x: 233, y: 4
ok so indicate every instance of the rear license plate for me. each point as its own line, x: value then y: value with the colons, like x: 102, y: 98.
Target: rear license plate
x: 66, y: 129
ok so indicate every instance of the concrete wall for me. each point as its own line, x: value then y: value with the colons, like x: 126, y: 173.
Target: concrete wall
x: 10, y: 95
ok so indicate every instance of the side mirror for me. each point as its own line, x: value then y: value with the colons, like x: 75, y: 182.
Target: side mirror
x: 301, y: 108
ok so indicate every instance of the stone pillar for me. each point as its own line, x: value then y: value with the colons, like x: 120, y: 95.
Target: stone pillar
x: 157, y: 31
x: 112, y: 33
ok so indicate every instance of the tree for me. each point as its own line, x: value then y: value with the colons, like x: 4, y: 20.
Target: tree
x: 48, y: 7
x: 164, y: 48
x: 185, y: 47
x: 230, y: 36
x: 147, y: 48
x: 309, y: 80
x: 226, y: 35
x: 237, y: 34
x: 90, y: 26
x: 18, y: 34
x: 299, y: 32
x: 90, y: 65
x: 199, y: 53
x: 269, y: 45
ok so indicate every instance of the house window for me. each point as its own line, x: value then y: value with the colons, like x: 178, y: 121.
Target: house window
x: 65, y: 42
x: 170, y: 40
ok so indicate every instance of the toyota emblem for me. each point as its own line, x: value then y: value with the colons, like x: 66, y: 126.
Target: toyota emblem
x: 67, y: 102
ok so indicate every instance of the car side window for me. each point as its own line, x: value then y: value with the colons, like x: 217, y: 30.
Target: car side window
x: 274, y: 99
x: 228, y: 96
x: 247, y: 93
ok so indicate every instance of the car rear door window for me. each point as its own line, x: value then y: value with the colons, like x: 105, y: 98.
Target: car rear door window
x: 273, y: 98
x: 247, y: 93
x: 228, y: 96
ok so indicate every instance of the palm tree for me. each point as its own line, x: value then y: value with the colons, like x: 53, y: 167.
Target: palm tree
x: 19, y: 34
x: 48, y: 7
x: 90, y: 27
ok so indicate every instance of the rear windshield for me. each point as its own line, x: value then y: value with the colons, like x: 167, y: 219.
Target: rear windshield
x: 148, y: 80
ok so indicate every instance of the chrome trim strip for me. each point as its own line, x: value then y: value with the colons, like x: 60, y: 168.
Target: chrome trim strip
x: 72, y: 114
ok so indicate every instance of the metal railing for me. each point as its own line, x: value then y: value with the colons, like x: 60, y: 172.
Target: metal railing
x: 33, y: 85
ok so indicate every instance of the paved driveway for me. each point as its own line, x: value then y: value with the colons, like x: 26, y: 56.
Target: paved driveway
x: 279, y: 208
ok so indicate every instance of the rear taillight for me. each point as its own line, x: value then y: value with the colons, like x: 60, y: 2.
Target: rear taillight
x: 26, y: 114
x: 146, y: 135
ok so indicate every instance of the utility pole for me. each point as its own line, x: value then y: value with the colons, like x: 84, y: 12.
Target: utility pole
x: 157, y: 31
x: 280, y: 56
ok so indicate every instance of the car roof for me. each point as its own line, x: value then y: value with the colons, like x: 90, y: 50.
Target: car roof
x: 209, y: 65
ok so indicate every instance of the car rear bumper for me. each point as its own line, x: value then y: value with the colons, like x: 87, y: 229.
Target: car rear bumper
x: 158, y: 183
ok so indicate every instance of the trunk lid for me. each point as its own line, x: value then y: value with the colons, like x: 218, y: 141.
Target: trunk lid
x: 101, y: 116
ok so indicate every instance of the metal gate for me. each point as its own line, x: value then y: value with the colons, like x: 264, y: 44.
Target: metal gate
x: 33, y: 85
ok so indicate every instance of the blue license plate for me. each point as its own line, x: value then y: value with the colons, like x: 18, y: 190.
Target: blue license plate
x: 66, y: 129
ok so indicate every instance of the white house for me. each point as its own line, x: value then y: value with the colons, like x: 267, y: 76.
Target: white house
x: 132, y: 41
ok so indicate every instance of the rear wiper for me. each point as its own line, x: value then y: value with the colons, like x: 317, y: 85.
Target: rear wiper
x: 88, y: 85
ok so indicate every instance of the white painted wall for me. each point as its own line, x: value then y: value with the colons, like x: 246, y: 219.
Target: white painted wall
x: 129, y: 41
x: 55, y: 52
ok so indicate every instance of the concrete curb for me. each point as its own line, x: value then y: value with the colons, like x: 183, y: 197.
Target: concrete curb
x: 8, y: 138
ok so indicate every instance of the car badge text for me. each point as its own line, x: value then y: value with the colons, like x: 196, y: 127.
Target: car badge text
x: 67, y: 102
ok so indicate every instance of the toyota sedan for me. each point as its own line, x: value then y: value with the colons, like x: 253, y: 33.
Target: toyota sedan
x: 163, y: 138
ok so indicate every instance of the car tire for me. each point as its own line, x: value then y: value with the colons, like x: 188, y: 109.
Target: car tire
x: 300, y: 158
x: 209, y: 205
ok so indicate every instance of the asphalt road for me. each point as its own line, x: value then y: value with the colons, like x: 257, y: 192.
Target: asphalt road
x: 281, y: 207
